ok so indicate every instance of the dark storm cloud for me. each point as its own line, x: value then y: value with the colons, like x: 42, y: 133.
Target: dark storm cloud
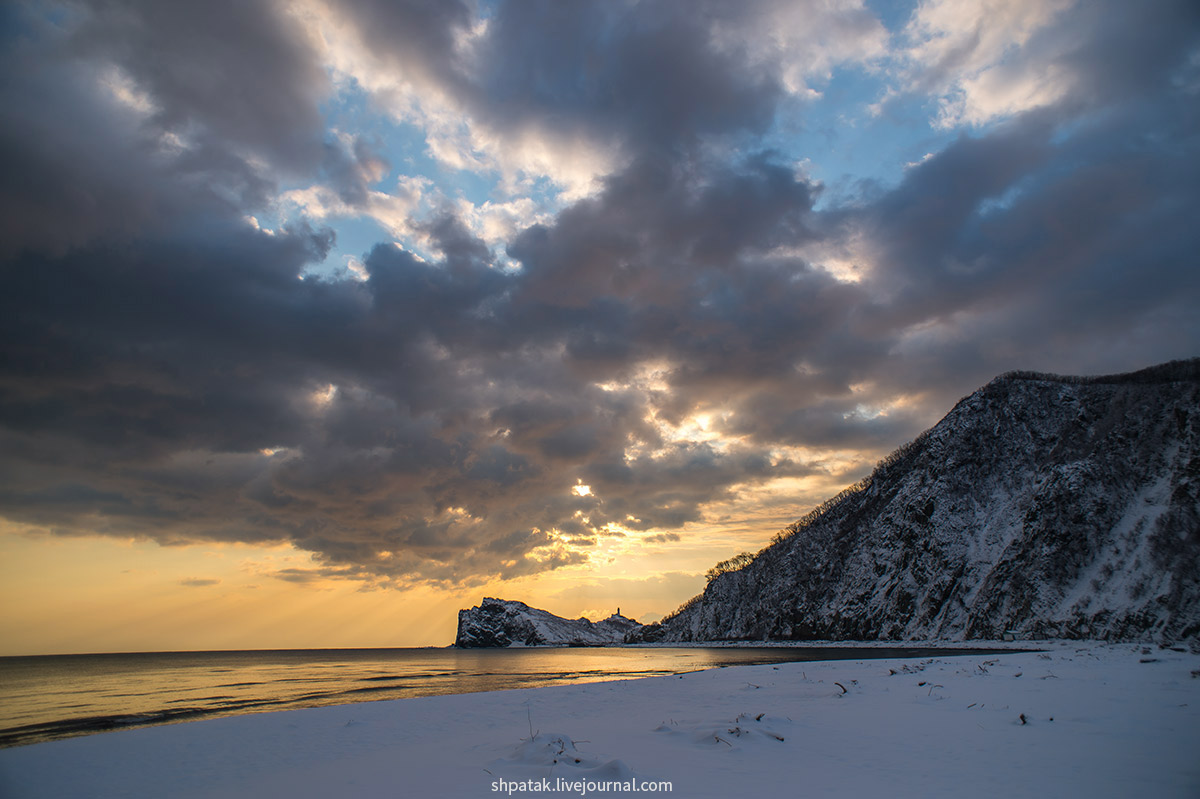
x: 1123, y: 53
x: 671, y: 487
x: 123, y: 116
x: 350, y: 168
x: 71, y: 169
x: 166, y: 373
x: 645, y: 77
x: 228, y: 73
x: 415, y: 36
x: 644, y: 72
x: 1063, y: 227
x: 663, y: 226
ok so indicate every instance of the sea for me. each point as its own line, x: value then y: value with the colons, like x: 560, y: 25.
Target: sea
x: 45, y: 698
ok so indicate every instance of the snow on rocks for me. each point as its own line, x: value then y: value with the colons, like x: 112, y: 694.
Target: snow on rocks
x: 504, y: 623
x: 1049, y: 507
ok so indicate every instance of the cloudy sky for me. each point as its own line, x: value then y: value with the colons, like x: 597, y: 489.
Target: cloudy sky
x: 321, y: 320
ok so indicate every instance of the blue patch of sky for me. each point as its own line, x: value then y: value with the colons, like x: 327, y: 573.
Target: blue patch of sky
x: 852, y: 150
x: 893, y: 14
x: 403, y: 145
x: 358, y: 236
x: 846, y: 146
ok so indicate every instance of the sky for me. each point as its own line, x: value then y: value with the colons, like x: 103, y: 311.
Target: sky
x: 322, y: 320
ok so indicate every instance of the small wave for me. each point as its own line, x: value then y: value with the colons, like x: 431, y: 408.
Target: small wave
x: 398, y: 677
x: 129, y: 696
x: 86, y: 725
x: 370, y: 689
x: 67, y: 728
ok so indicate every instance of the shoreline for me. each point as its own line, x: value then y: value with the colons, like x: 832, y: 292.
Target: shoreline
x: 913, y: 644
x: 1080, y: 718
x: 966, y: 646
x: 205, y: 685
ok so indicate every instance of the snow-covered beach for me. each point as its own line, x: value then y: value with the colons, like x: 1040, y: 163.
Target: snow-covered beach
x: 1079, y: 718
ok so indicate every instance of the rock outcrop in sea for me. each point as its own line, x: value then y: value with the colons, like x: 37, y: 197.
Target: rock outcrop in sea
x: 501, y: 623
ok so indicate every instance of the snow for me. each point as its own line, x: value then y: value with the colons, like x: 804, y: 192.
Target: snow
x: 505, y: 623
x: 1017, y: 511
x: 1099, y: 720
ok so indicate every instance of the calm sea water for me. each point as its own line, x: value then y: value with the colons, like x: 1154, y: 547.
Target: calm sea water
x: 59, y: 696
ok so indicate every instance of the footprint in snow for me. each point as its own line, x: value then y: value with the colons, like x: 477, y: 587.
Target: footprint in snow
x: 747, y: 730
x: 550, y: 754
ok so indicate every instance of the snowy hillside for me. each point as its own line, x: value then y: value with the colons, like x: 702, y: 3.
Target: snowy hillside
x: 1050, y: 506
x: 498, y: 622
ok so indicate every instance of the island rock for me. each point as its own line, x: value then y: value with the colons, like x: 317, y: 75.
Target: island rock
x: 501, y: 623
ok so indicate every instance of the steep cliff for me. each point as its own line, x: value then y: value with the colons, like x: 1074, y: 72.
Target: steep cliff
x: 499, y: 623
x: 1050, y: 506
